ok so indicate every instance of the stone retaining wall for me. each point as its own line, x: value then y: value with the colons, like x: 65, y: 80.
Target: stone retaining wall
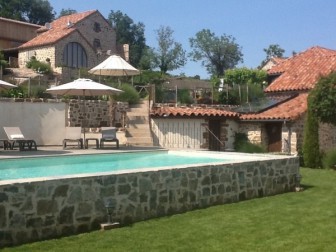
x: 97, y: 113
x: 43, y: 209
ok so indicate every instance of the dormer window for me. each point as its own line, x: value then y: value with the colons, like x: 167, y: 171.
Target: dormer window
x: 96, y: 27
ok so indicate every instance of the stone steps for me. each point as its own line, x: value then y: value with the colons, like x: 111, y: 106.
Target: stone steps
x: 138, y: 131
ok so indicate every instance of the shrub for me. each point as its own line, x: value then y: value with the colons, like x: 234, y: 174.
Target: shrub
x: 184, y: 97
x: 329, y: 159
x: 129, y: 95
x: 242, y: 144
x: 3, y: 62
x: 38, y: 66
x: 240, y: 139
x: 251, y: 148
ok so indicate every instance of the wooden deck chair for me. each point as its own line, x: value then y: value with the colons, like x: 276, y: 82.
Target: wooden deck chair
x: 15, y: 135
x: 73, y: 134
x: 109, y: 134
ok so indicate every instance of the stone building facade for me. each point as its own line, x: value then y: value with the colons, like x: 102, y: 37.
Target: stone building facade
x: 80, y: 40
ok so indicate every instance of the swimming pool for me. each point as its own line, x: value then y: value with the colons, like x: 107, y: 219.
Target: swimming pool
x: 46, y: 207
x: 98, y: 163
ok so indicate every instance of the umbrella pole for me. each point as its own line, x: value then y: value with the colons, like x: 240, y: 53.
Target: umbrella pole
x: 83, y: 124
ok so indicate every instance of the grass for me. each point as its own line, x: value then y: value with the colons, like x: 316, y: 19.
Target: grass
x: 304, y: 221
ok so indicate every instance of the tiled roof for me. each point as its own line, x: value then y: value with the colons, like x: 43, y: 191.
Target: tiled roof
x: 289, y: 110
x: 18, y: 22
x: 59, y: 29
x: 277, y: 60
x: 190, y: 112
x: 302, y: 71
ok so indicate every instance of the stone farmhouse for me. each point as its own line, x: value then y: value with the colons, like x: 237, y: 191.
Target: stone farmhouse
x: 278, y: 124
x: 83, y: 40
x: 80, y: 40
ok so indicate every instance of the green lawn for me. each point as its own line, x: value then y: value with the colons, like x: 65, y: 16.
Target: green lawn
x: 304, y: 221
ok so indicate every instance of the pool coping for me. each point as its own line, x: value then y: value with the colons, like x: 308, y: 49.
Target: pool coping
x: 244, y: 158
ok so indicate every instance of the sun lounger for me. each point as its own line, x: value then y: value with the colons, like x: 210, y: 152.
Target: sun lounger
x: 6, y: 144
x: 109, y: 134
x: 73, y: 134
x: 15, y: 135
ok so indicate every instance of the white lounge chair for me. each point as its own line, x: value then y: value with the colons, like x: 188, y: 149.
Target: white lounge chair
x: 15, y: 135
x: 73, y: 134
x: 109, y: 134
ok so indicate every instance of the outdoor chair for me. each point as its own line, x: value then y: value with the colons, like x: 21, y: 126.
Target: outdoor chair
x: 73, y: 134
x: 109, y: 134
x: 15, y: 135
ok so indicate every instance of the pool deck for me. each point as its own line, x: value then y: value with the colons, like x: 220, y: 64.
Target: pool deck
x: 58, y: 150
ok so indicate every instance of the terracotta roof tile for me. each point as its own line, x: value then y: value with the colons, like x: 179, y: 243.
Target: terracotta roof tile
x: 190, y: 112
x: 277, y: 60
x: 302, y: 71
x: 289, y: 110
x: 59, y: 29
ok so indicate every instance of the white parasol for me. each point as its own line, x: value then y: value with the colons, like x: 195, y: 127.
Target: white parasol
x: 5, y: 85
x: 83, y: 87
x: 114, y: 66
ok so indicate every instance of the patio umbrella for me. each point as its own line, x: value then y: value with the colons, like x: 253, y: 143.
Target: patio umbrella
x: 114, y: 66
x: 5, y: 85
x: 83, y: 87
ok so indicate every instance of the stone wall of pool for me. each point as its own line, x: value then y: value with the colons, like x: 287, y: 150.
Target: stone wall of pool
x: 44, y: 209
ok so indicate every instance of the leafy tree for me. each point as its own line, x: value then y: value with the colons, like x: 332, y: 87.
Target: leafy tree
x: 146, y: 61
x: 65, y: 12
x: 273, y: 50
x: 323, y: 99
x: 129, y: 33
x: 32, y: 11
x: 245, y: 75
x: 169, y: 55
x: 244, y: 84
x: 217, y: 53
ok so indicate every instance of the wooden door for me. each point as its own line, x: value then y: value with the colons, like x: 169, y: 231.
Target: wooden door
x: 274, y: 136
x: 214, y: 127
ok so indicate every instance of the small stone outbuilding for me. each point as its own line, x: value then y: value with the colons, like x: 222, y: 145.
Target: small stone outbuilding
x: 278, y: 124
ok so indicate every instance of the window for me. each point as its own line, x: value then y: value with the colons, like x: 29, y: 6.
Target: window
x: 96, y: 44
x: 74, y: 55
x: 96, y: 27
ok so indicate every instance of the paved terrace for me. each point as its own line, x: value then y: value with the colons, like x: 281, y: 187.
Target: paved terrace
x: 58, y: 150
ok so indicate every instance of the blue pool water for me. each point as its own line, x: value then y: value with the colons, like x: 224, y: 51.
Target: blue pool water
x: 80, y: 164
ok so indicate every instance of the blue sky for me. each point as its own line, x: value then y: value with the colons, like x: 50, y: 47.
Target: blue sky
x: 295, y: 25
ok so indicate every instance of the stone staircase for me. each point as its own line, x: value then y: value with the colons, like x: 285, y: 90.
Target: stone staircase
x: 138, y: 131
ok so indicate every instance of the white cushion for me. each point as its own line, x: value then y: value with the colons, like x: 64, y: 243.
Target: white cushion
x: 17, y: 136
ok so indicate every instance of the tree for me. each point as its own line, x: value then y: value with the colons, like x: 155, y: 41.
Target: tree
x: 169, y: 55
x: 32, y: 11
x: 242, y: 85
x: 65, y: 12
x: 245, y: 76
x: 129, y: 33
x: 217, y: 53
x: 273, y: 51
x: 323, y: 99
x: 311, y: 148
x: 146, y: 61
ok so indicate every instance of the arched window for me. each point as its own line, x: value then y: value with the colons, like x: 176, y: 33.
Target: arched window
x: 74, y: 55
